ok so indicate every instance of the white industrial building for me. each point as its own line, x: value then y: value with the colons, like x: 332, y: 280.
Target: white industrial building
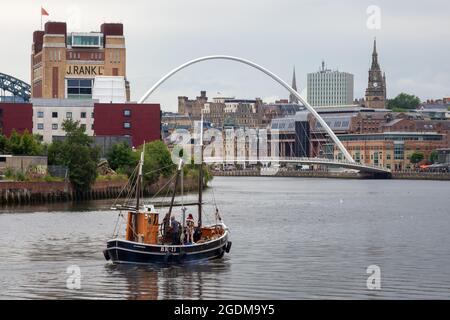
x: 49, y: 115
x: 329, y: 88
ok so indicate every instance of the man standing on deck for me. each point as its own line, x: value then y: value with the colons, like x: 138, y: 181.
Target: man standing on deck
x: 175, y: 230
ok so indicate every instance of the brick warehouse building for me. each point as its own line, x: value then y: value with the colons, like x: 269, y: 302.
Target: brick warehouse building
x: 140, y: 121
x: 18, y: 116
x: 65, y: 65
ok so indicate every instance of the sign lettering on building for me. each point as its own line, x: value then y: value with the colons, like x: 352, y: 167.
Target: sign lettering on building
x: 85, y: 70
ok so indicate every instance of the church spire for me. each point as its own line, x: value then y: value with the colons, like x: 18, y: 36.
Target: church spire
x: 294, y: 81
x: 293, y: 98
x: 375, y: 65
x: 376, y: 88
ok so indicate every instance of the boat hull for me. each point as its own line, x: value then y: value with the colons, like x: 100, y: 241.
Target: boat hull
x: 123, y: 251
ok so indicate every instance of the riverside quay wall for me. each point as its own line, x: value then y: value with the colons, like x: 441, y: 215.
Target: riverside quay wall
x: 46, y: 192
x: 24, y: 193
x: 339, y: 175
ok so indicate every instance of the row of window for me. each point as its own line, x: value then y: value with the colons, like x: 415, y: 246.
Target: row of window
x: 40, y: 114
x: 69, y: 115
x: 77, y: 55
x: 55, y: 126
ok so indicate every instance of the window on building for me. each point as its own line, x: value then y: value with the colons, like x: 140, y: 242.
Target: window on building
x: 40, y: 114
x: 127, y: 125
x: 399, y: 151
x: 69, y: 115
x: 79, y: 88
x: 127, y: 113
x: 40, y: 126
x: 83, y: 126
x: 54, y: 114
x: 54, y: 126
x: 83, y: 115
x: 86, y: 41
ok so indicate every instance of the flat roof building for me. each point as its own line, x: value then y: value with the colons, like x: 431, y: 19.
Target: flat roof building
x: 329, y: 88
x: 65, y: 65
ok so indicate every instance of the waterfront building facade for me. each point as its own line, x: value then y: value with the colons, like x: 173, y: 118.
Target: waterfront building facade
x: 391, y: 150
x: 16, y: 116
x: 223, y: 111
x: 65, y: 65
x: 279, y: 109
x: 329, y: 88
x: 49, y: 115
x: 192, y: 108
x: 45, y: 117
x: 141, y: 122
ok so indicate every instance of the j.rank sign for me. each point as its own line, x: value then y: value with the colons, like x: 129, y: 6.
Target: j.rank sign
x: 85, y: 70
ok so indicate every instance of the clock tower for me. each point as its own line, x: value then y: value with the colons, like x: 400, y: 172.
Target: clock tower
x: 376, y: 89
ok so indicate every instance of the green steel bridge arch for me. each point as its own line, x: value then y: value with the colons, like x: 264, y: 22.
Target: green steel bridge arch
x: 16, y: 87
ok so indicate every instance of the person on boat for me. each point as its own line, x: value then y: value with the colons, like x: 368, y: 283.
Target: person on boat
x: 175, y: 230
x: 190, y: 229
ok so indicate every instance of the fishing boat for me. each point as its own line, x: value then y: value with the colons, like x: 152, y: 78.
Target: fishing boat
x: 148, y: 238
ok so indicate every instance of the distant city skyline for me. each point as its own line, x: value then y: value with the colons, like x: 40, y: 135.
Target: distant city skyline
x: 162, y: 35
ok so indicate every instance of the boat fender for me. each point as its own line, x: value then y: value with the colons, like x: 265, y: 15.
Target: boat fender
x: 106, y: 254
x: 228, y: 247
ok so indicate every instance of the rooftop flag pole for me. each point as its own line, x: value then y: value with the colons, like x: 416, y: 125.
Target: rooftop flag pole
x: 43, y: 13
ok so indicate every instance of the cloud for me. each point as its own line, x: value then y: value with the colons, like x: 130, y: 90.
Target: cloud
x: 277, y: 34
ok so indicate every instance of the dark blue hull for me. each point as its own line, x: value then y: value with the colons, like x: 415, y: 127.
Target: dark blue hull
x: 122, y: 251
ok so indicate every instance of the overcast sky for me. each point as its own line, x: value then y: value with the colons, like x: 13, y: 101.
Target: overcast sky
x: 413, y: 42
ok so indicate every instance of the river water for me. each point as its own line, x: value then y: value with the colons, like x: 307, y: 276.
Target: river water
x: 293, y: 238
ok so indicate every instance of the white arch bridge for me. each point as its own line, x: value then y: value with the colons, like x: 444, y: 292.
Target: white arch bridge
x: 349, y: 161
x: 363, y: 168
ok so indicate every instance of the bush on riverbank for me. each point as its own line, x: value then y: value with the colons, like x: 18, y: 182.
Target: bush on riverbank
x: 19, y: 176
x: 115, y: 178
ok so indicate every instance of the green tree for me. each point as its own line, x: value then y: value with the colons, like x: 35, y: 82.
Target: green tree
x: 76, y: 152
x: 403, y: 101
x: 122, y: 157
x: 416, y: 157
x: 157, y: 160
x: 4, y: 144
x: 433, y: 156
x: 24, y: 144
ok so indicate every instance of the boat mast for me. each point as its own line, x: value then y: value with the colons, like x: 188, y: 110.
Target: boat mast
x: 200, y: 175
x: 139, y: 179
x: 180, y: 167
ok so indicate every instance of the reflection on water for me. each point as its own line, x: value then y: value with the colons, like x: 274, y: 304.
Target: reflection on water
x: 292, y: 238
x: 176, y: 282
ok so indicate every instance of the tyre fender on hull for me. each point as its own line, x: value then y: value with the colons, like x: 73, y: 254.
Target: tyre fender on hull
x: 228, y: 247
x: 106, y: 254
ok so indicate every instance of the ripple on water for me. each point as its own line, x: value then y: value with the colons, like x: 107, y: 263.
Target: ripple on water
x: 292, y: 239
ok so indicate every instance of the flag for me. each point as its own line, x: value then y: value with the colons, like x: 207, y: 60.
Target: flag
x: 44, y: 12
